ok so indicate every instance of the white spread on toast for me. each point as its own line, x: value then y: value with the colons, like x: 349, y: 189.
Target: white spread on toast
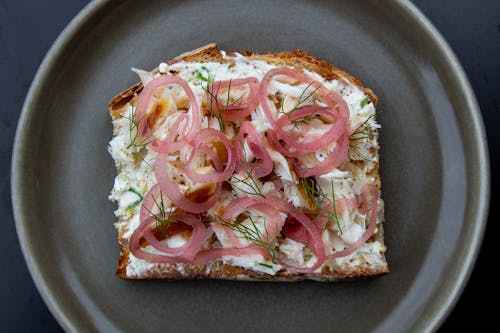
x: 136, y: 175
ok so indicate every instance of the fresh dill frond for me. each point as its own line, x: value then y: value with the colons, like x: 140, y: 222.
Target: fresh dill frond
x: 136, y: 202
x: 203, y: 74
x: 317, y: 196
x: 212, y: 99
x: 363, y: 131
x: 207, y: 83
x: 135, y: 137
x: 365, y: 101
x: 355, y: 150
x: 302, y: 99
x: 254, y: 235
x: 265, y: 265
x: 162, y: 218
x: 247, y: 180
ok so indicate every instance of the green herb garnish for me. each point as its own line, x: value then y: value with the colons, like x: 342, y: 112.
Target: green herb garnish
x: 138, y: 201
x: 302, y: 99
x: 363, y: 131
x: 200, y: 75
x: 247, y: 180
x: 162, y: 218
x: 317, y: 196
x: 135, y: 137
x: 254, y: 235
x: 365, y: 101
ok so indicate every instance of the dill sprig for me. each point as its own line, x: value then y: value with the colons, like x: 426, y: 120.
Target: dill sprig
x: 135, y: 137
x: 302, y: 99
x: 355, y: 150
x: 254, y: 235
x: 199, y: 73
x: 364, y: 101
x: 162, y: 218
x: 317, y: 196
x: 363, y: 131
x: 207, y: 83
x: 136, y: 202
x: 247, y: 180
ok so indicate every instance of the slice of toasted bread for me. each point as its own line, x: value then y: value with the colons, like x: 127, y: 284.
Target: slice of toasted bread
x: 357, y: 265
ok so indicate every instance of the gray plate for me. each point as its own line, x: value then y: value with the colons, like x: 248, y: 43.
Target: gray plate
x: 433, y: 163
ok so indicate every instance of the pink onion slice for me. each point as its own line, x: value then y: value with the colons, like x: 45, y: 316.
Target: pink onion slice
x: 201, y: 139
x: 310, y: 143
x: 335, y: 105
x: 296, y: 142
x: 183, y: 254
x: 249, y: 134
x: 170, y: 144
x: 334, y: 160
x: 171, y: 189
x: 368, y: 192
x: 190, y: 248
x: 313, y: 239
x: 238, y: 111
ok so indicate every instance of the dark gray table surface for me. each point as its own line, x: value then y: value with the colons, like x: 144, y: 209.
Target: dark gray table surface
x: 27, y: 30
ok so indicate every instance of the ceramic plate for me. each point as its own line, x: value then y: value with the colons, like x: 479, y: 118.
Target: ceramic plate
x: 433, y: 167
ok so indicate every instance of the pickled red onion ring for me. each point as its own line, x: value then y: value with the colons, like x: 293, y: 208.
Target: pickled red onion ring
x: 256, y: 145
x: 331, y: 98
x: 313, y: 240
x: 169, y: 144
x: 239, y: 111
x: 200, y: 140
x: 171, y: 189
x: 333, y: 160
x: 367, y: 191
x: 312, y: 143
x: 336, y: 108
x: 190, y: 248
x: 184, y: 254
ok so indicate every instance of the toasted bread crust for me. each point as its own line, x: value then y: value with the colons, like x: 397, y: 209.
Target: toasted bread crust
x: 299, y: 60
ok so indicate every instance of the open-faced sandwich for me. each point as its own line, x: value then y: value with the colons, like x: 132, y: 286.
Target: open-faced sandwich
x: 248, y: 167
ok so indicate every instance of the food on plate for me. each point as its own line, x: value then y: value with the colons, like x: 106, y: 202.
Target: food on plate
x: 236, y: 165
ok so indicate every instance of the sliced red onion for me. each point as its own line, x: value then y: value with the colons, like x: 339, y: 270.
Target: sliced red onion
x: 171, y: 189
x: 256, y: 145
x: 201, y: 139
x: 312, y: 238
x: 295, y: 142
x: 183, y: 254
x: 238, y: 111
x: 170, y: 144
x: 368, y: 192
x: 333, y: 160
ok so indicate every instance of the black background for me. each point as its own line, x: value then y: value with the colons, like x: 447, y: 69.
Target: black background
x: 27, y: 30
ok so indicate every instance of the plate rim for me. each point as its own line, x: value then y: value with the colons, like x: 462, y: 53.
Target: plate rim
x: 466, y: 258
